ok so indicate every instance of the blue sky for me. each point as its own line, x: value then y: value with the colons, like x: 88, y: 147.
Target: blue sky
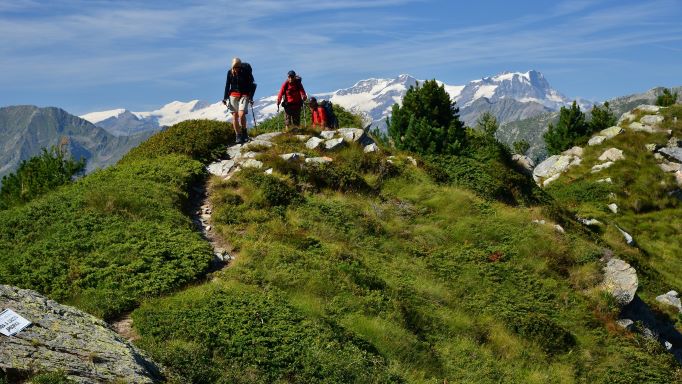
x: 93, y: 55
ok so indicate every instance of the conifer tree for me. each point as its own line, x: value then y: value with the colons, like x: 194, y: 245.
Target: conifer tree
x: 602, y: 118
x: 487, y: 123
x: 569, y: 129
x: 428, y: 121
x: 37, y: 176
x: 667, y: 98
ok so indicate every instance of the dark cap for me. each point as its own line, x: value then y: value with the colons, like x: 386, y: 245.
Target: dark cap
x: 291, y: 73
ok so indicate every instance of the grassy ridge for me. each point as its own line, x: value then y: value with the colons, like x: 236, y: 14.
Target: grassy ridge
x: 119, y: 235
x: 419, y: 282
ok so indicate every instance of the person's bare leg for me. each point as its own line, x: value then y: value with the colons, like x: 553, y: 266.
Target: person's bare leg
x: 242, y: 122
x: 235, y: 125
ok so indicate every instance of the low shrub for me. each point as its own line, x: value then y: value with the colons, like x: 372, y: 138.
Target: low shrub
x: 202, y: 140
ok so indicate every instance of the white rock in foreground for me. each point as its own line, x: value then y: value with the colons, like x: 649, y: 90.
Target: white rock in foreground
x: 553, y: 165
x: 651, y: 120
x: 596, y: 140
x: 612, y: 154
x: 319, y: 160
x: 671, y: 298
x: 370, y: 148
x: 314, y: 142
x: 600, y: 167
x: 252, y: 163
x: 610, y: 132
x: 648, y: 108
x: 63, y: 338
x: 221, y: 168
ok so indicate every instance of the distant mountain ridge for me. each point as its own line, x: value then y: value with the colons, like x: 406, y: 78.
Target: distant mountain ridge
x: 26, y: 129
x: 509, y: 96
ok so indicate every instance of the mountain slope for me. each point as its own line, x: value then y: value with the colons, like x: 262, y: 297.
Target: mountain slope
x: 28, y: 129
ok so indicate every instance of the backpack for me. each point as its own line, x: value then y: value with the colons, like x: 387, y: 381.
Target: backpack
x: 332, y: 121
x: 246, y: 67
x: 299, y: 82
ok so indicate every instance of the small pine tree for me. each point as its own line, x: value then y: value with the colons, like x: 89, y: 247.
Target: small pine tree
x: 428, y: 121
x: 667, y: 98
x: 569, y: 129
x: 521, y: 147
x: 37, y: 176
x: 487, y: 123
x: 602, y: 118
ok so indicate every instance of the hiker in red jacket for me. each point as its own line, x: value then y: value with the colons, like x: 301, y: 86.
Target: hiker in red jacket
x: 295, y: 95
x: 319, y: 115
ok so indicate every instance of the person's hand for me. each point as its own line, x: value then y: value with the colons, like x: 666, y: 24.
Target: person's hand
x: 224, y: 102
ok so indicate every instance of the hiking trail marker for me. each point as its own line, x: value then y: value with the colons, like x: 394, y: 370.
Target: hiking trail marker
x: 12, y: 323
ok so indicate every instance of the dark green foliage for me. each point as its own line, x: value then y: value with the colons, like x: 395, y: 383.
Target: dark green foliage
x: 37, y: 176
x: 107, y: 241
x: 570, y: 128
x: 485, y: 168
x: 214, y: 334
x: 540, y: 328
x: 276, y: 122
x: 272, y: 190
x: 201, y: 140
x: 487, y: 123
x: 521, y: 147
x: 337, y: 177
x: 667, y: 98
x: 580, y: 191
x: 428, y: 121
x: 602, y: 118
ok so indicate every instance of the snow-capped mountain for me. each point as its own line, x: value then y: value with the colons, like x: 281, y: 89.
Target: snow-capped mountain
x: 509, y: 96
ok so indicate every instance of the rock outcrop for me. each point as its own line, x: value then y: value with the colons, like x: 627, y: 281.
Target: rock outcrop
x: 62, y: 338
x: 620, y: 280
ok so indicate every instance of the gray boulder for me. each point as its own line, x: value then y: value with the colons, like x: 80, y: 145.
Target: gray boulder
x: 221, y: 168
x: 293, y: 156
x: 255, y: 143
x: 612, y: 154
x: 671, y: 298
x: 371, y: 148
x: 669, y: 166
x: 637, y: 126
x: 327, y: 134
x: 654, y: 120
x: 611, y: 132
x: 648, y: 108
x: 314, y: 142
x: 267, y: 136
x: 620, y: 280
x: 674, y: 154
x: 596, y: 140
x: 334, y: 144
x: 62, y: 338
x: 600, y: 167
x: 553, y: 165
x: 575, y: 151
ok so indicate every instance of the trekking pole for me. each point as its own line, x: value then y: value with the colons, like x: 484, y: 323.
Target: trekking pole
x: 255, y: 126
x: 305, y: 122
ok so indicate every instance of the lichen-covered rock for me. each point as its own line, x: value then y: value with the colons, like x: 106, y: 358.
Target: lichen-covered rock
x: 334, y: 144
x: 574, y: 151
x: 637, y: 126
x: 671, y: 298
x: 221, y: 168
x: 252, y: 163
x: 351, y: 134
x: 314, y: 142
x: 612, y: 154
x: 654, y: 120
x: 611, y: 132
x: 648, y: 108
x: 370, y: 148
x: 327, y: 134
x: 620, y: 280
x: 255, y: 144
x: 596, y: 140
x: 267, y: 136
x: 65, y: 339
x: 626, y: 117
x: 551, y: 166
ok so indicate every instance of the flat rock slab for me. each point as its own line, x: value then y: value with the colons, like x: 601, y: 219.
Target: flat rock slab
x: 612, y: 154
x: 334, y: 144
x: 651, y: 120
x: 66, y: 339
x: 314, y: 142
x: 620, y: 280
x: 637, y: 126
x: 648, y: 108
x: 319, y: 160
x: 257, y: 144
x: 596, y: 140
x: 234, y: 151
x: 575, y: 151
x: 610, y: 132
x: 670, y: 166
x: 293, y: 156
x: 221, y: 168
x: 327, y: 134
x: 671, y: 298
x: 351, y: 134
x: 551, y: 166
x: 267, y: 136
x: 672, y: 153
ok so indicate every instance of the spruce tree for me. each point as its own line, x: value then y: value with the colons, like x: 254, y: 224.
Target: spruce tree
x: 569, y: 129
x: 427, y: 122
x: 521, y: 147
x: 602, y: 118
x: 667, y: 98
x: 487, y: 123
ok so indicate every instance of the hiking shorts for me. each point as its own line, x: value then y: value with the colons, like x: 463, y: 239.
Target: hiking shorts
x: 240, y: 103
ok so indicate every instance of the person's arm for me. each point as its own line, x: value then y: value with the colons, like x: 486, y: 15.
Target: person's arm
x: 226, y: 95
x: 281, y: 92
